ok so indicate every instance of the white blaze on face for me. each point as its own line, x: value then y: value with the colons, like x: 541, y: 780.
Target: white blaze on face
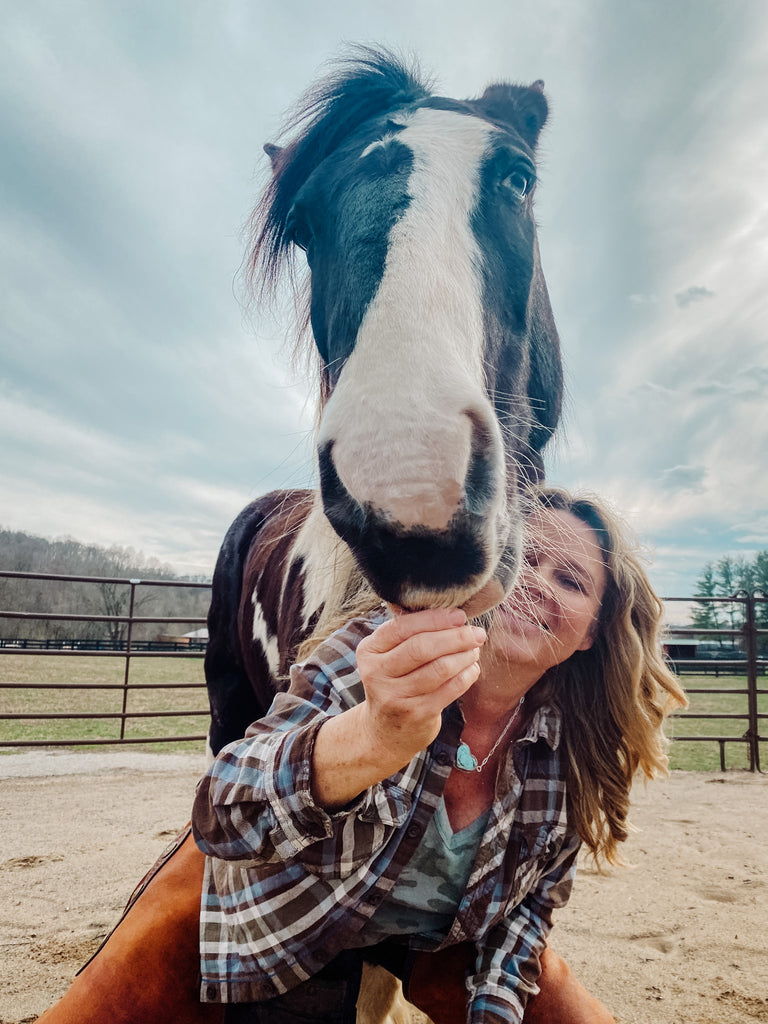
x: 401, y: 415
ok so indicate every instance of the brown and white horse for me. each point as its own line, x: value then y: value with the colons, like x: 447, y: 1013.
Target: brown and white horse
x: 439, y: 366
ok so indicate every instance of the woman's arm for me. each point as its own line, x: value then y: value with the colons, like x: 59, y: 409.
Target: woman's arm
x: 508, y: 960
x: 274, y: 794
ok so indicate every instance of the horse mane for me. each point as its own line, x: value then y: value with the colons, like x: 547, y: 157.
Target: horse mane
x: 365, y: 83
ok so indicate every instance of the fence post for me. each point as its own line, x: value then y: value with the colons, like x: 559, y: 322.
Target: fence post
x: 750, y: 643
x: 128, y: 636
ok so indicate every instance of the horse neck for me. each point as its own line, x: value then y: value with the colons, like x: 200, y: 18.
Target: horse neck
x: 328, y: 569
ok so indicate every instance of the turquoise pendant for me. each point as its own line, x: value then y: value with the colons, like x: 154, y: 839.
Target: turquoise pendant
x: 465, y: 759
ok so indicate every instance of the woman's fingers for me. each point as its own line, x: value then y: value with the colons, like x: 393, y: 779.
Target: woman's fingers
x: 431, y: 653
x: 420, y: 647
x: 419, y: 700
x: 430, y: 675
x: 458, y: 685
x: 397, y: 630
x: 412, y: 667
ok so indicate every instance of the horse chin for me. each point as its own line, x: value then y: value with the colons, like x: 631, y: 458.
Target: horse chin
x: 478, y: 603
x: 473, y: 598
x: 486, y: 598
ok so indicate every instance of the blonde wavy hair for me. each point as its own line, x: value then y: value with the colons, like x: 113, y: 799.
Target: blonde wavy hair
x: 613, y: 697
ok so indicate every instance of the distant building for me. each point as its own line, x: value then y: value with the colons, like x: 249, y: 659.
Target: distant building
x: 196, y: 638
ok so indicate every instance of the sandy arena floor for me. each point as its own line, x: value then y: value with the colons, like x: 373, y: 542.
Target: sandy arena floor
x: 680, y: 938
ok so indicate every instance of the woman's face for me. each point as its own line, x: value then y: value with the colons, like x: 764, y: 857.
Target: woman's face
x: 554, y: 608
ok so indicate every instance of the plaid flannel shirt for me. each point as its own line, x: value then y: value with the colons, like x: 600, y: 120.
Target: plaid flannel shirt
x: 287, y: 885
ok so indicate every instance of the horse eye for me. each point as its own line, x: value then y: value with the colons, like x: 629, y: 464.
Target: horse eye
x: 297, y: 230
x: 517, y: 183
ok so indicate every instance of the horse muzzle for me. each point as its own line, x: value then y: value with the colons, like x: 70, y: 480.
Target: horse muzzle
x: 468, y: 559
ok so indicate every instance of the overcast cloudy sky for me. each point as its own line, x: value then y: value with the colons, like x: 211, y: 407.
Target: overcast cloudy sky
x: 140, y: 406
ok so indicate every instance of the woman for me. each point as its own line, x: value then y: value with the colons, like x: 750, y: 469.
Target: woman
x: 426, y: 782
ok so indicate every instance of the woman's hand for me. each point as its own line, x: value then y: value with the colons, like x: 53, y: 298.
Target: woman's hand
x: 411, y: 668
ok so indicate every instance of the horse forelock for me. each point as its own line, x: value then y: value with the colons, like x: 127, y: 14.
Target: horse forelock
x: 363, y: 85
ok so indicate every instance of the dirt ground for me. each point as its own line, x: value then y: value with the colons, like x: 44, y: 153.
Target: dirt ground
x: 680, y: 938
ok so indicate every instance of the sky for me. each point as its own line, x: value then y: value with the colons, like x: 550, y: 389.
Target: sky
x: 143, y: 404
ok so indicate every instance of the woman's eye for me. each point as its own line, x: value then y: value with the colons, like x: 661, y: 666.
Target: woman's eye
x: 569, y: 582
x: 517, y: 183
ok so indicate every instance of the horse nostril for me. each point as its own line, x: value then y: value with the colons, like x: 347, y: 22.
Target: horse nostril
x: 483, y: 471
x: 346, y: 515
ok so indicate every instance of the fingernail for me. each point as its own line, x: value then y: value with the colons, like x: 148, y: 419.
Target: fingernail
x: 479, y: 634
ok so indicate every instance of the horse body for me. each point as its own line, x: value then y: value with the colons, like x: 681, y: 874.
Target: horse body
x: 440, y: 376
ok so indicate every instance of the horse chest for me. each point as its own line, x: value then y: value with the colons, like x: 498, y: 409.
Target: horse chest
x: 294, y: 567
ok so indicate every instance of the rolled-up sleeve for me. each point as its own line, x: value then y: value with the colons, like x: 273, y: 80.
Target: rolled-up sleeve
x: 508, y: 958
x: 256, y: 802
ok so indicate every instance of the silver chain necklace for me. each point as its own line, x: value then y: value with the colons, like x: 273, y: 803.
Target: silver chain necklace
x: 466, y: 760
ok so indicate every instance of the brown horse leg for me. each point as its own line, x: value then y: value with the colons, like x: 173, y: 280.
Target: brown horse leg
x: 562, y: 999
x: 436, y: 987
x: 147, y: 971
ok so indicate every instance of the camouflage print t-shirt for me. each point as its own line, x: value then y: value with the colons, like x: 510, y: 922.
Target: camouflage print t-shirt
x: 426, y: 895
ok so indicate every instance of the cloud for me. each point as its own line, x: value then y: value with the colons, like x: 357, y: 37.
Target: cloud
x: 684, y: 478
x: 138, y: 410
x: 753, y: 532
x: 693, y: 294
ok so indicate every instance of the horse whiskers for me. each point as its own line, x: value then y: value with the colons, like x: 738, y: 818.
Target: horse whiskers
x: 495, y: 395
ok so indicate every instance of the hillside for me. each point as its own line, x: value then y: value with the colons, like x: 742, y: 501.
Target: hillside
x: 23, y: 552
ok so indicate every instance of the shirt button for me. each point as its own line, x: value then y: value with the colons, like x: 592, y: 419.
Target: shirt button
x: 443, y: 759
x: 413, y: 830
x: 211, y: 992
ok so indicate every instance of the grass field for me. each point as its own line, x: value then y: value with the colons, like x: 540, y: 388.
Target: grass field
x: 703, y: 755
x: 64, y: 671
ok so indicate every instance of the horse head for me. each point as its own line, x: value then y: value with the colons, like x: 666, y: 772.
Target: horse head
x: 440, y: 366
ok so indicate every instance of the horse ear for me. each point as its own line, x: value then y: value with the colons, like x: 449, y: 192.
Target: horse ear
x: 523, y: 108
x: 274, y: 153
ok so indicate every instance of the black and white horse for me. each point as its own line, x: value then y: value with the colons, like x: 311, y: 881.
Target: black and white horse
x: 440, y: 376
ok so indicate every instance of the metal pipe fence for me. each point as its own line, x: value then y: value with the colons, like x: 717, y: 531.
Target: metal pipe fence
x: 746, y: 662
x: 126, y: 649
x: 749, y: 664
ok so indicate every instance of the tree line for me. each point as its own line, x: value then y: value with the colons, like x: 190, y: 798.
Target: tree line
x: 728, y: 577
x: 23, y: 552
